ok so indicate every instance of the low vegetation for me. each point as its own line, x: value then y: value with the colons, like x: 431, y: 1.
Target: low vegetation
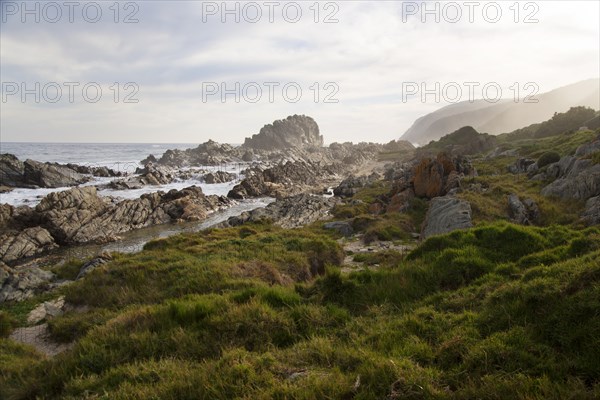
x: 269, y: 315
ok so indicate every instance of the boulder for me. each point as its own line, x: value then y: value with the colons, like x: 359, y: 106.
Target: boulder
x: 591, y: 215
x: 522, y: 212
x: 446, y: 214
x: 351, y: 185
x: 93, y: 263
x: 46, y: 310
x: 342, y: 227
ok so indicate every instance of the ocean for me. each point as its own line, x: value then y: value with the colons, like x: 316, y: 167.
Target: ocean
x: 118, y: 156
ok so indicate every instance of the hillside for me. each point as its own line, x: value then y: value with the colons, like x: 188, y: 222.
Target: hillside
x: 504, y: 116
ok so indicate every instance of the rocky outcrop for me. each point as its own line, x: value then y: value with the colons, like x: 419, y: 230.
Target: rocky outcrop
x: 296, y: 131
x: 93, y: 264
x: 50, y: 175
x: 218, y: 177
x: 591, y: 215
x: 32, y: 174
x: 521, y: 166
x: 27, y: 243
x: 524, y: 212
x: 436, y: 177
x: 151, y: 174
x: 11, y: 171
x: 79, y: 215
x: 291, y: 212
x: 446, y: 214
x: 282, y: 180
x: 208, y: 153
x: 23, y: 282
x: 576, y: 179
x: 587, y: 149
x: 351, y: 185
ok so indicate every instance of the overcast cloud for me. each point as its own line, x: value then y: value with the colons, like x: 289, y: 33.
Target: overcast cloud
x: 171, y: 54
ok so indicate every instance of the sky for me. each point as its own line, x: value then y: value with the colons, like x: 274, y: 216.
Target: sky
x: 189, y: 71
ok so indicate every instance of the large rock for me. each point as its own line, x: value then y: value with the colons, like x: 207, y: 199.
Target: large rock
x: 50, y: 175
x: 27, y: 243
x: 591, y: 215
x: 436, y: 177
x: 11, y: 171
x: 446, y: 214
x: 294, y: 131
x: 151, y: 174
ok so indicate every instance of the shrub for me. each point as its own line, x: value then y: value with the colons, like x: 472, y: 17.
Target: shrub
x: 548, y: 158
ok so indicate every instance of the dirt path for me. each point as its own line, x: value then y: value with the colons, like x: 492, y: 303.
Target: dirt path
x: 39, y: 337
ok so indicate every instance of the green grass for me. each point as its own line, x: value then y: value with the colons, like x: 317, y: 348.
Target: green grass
x: 498, y: 311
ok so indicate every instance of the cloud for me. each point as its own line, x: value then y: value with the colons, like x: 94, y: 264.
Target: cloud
x: 368, y: 54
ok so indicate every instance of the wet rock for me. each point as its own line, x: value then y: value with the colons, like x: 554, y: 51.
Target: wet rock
x: 27, y: 243
x: 295, y: 131
x: 591, y: 215
x: 50, y: 175
x: 11, y: 171
x: 342, y: 227
x: 446, y: 214
x: 151, y: 174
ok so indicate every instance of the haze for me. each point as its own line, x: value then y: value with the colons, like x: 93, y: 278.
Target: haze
x: 179, y: 52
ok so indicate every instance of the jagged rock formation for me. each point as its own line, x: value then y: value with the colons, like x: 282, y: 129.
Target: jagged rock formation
x: 296, y: 131
x: 23, y: 282
x: 27, y: 243
x: 30, y: 173
x: 282, y: 180
x: 351, y: 185
x: 446, y: 214
x: 79, y: 215
x: 291, y: 212
x: 151, y: 174
x: 575, y: 179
